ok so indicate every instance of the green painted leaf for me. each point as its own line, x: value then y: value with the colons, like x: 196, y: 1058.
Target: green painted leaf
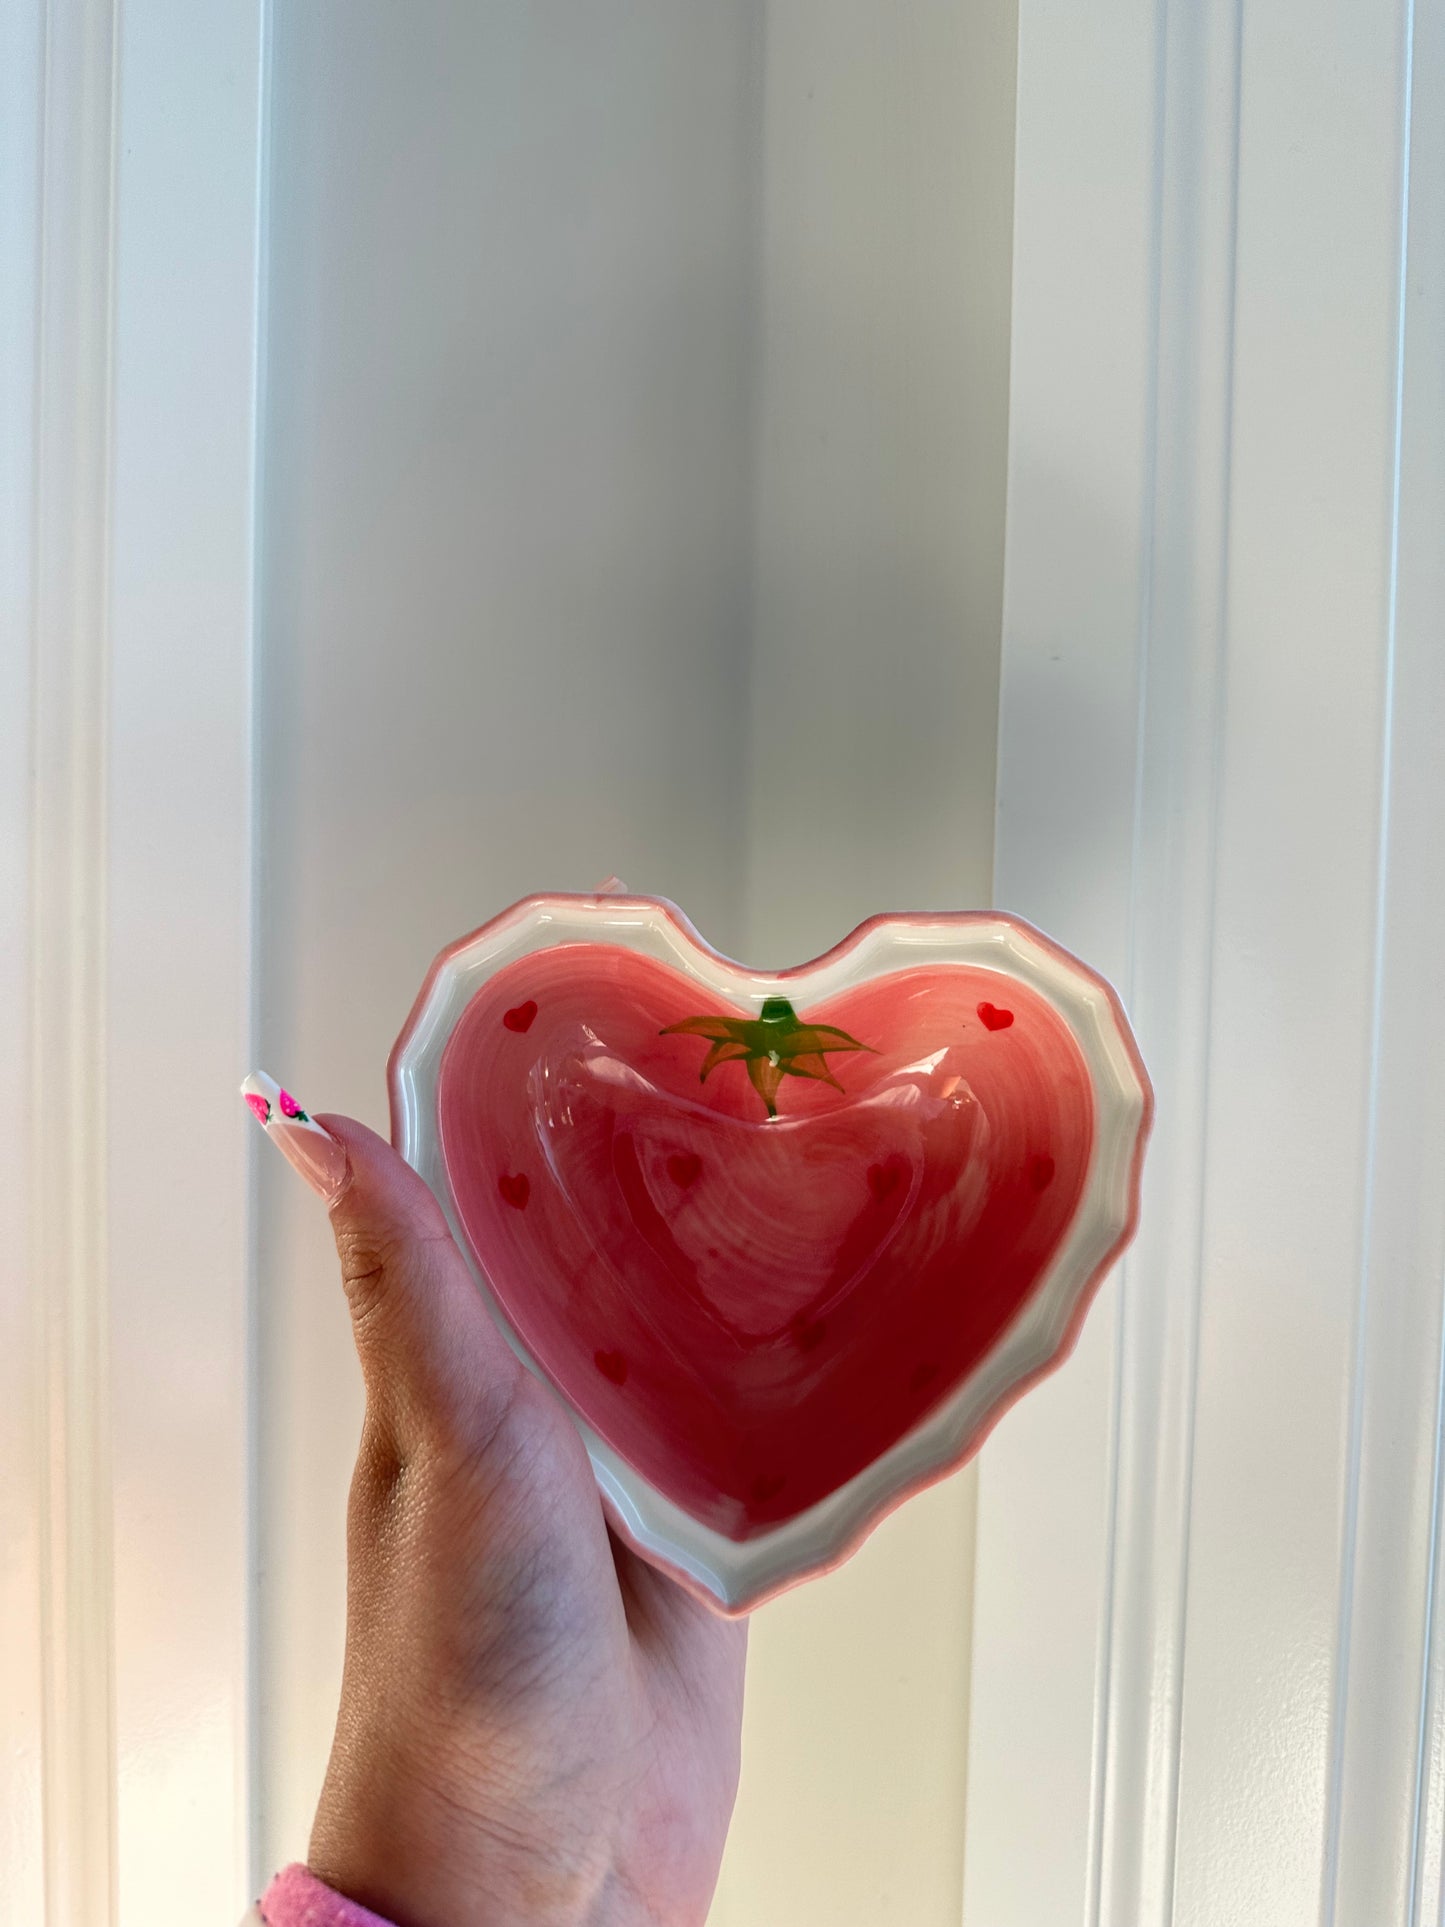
x: 773, y: 1045
x: 766, y: 1077
x: 727, y: 1051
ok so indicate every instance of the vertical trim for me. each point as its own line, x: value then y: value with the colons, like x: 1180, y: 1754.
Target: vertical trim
x: 22, y: 1875
x: 1082, y: 441
x: 1384, y: 1838
x: 1359, y: 1363
x: 1171, y: 940
x: 1262, y: 1476
x: 1420, y: 598
x: 67, y: 995
x: 248, y: 1766
x: 129, y: 254
x: 179, y: 940
x: 1107, y: 1681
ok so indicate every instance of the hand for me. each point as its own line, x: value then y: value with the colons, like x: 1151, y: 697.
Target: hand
x: 536, y: 1728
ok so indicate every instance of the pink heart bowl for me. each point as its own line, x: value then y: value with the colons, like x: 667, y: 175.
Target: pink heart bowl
x: 787, y: 1245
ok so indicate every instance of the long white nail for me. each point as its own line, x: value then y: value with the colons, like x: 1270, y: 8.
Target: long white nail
x: 306, y: 1145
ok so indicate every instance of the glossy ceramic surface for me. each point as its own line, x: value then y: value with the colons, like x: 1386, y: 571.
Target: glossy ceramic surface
x: 787, y: 1245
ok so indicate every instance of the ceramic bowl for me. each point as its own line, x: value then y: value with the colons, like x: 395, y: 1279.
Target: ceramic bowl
x: 786, y: 1244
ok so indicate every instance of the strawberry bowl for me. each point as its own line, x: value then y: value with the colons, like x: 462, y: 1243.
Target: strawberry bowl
x: 786, y: 1244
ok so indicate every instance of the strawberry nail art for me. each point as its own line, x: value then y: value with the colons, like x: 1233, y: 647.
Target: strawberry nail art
x: 309, y: 1148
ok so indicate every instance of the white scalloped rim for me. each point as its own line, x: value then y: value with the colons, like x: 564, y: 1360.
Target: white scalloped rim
x: 737, y: 1576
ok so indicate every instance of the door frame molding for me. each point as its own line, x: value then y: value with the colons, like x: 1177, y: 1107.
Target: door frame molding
x: 1159, y: 593
x: 130, y: 365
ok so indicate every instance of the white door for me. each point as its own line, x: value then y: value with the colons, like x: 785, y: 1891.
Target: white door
x: 1206, y: 1672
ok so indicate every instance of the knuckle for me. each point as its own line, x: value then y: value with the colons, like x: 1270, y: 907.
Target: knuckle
x: 366, y: 1260
x: 373, y: 1257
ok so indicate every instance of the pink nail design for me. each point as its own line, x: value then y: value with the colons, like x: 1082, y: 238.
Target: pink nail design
x: 307, y: 1146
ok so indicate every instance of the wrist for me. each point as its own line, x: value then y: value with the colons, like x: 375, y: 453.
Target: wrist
x: 420, y: 1860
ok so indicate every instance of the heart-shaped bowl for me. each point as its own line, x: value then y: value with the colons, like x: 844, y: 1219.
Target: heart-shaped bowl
x: 787, y: 1245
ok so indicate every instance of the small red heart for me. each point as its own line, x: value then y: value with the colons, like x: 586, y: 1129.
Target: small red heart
x: 992, y: 1018
x: 884, y: 1179
x: 516, y: 1190
x: 807, y: 1332
x: 684, y: 1168
x: 1041, y: 1173
x: 520, y: 1016
x: 611, y: 1365
x: 767, y: 1486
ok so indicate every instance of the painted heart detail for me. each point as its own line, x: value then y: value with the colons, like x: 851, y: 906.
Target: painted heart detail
x: 775, y: 1242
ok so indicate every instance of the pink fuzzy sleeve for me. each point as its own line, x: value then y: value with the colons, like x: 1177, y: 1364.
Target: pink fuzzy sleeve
x: 296, y: 1898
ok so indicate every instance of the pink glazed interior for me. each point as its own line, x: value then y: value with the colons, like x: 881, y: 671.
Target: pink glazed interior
x: 750, y: 1308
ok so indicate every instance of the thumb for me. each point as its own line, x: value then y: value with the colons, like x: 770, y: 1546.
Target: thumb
x: 433, y: 1359
x: 430, y: 1352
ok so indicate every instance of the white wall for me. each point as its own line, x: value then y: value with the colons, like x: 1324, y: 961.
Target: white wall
x: 882, y: 416
x: 632, y: 500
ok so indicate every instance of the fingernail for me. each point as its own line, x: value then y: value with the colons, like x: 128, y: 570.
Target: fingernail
x: 306, y: 1145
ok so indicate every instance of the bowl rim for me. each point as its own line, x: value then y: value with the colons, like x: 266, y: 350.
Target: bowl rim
x: 734, y: 1577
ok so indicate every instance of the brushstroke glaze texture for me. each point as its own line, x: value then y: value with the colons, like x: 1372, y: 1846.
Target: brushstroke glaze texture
x: 787, y: 1244
x: 750, y: 1308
